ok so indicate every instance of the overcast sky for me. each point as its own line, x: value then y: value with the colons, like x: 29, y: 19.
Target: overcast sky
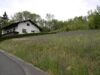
x: 62, y: 9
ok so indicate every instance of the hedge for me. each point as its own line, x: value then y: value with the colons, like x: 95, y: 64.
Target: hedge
x: 24, y: 35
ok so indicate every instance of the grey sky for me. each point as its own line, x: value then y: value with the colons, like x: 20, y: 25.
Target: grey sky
x: 62, y: 9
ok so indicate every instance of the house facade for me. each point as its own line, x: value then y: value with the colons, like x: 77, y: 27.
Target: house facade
x: 23, y: 27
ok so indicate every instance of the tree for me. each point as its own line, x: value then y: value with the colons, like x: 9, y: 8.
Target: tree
x: 49, y: 17
x: 49, y: 22
x: 57, y: 25
x: 17, y: 17
x: 98, y: 9
x: 5, y: 16
x: 94, y: 19
x: 4, y: 21
x: 26, y: 15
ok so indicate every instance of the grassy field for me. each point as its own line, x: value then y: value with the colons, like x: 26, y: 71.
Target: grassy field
x: 65, y: 53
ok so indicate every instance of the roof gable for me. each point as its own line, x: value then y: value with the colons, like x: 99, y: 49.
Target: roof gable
x: 16, y: 24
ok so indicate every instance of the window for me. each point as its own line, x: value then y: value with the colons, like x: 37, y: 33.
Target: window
x: 28, y: 24
x: 7, y: 31
x: 24, y: 31
x: 32, y: 31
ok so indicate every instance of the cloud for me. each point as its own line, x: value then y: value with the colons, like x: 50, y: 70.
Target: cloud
x: 62, y: 9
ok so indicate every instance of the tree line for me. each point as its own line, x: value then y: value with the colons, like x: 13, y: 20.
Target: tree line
x: 92, y: 21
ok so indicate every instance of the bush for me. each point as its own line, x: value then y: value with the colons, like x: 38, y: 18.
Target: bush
x: 24, y: 35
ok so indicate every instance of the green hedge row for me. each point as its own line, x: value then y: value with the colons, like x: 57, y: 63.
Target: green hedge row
x: 24, y: 35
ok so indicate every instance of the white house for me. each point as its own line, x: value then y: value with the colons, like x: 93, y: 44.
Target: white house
x: 22, y: 27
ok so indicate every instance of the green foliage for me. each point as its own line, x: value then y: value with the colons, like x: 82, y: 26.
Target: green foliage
x: 97, y: 21
x: 24, y: 35
x: 5, y: 16
x: 49, y: 21
x: 4, y: 21
x: 78, y: 23
x: 0, y: 33
x: 94, y: 19
x: 45, y: 29
x: 57, y: 24
x: 26, y: 15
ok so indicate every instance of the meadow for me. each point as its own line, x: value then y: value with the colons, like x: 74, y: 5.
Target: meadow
x: 64, y: 53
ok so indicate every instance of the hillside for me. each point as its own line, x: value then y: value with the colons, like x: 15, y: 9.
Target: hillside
x: 65, y: 53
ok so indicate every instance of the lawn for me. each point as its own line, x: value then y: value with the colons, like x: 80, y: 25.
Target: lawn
x: 64, y: 53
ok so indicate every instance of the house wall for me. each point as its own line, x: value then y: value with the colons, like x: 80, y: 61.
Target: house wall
x: 4, y: 31
x: 28, y: 29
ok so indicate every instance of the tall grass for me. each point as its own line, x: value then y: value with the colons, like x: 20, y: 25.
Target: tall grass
x: 66, y: 53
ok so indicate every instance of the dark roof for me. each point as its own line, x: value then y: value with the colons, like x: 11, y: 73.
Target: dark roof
x: 16, y: 24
